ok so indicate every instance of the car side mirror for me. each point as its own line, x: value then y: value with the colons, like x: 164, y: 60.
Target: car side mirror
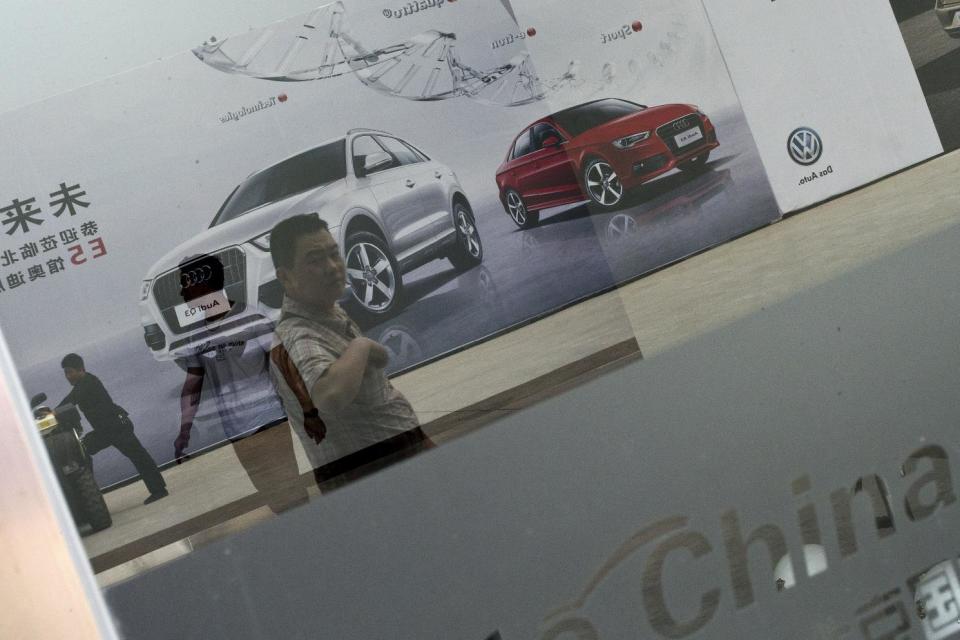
x: 38, y: 399
x: 552, y: 141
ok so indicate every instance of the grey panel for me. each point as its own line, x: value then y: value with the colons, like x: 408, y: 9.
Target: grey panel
x: 498, y: 529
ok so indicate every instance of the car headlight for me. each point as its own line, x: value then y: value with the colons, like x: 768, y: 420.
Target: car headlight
x: 628, y: 141
x: 262, y: 242
x: 145, y: 289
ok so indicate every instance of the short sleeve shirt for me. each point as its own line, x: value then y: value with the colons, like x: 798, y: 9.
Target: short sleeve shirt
x: 236, y: 371
x: 314, y: 342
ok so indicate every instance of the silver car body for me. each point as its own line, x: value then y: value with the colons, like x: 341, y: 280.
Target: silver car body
x: 409, y: 206
x: 948, y: 12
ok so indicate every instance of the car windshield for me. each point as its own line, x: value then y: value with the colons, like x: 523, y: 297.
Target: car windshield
x: 300, y: 173
x: 584, y: 117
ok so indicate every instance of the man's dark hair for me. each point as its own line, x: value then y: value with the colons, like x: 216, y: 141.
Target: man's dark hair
x: 283, y: 237
x: 72, y: 361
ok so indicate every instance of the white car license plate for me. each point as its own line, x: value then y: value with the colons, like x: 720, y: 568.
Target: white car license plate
x: 199, y: 309
x: 687, y: 137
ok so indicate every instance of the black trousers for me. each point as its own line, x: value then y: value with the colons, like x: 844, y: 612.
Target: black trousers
x: 126, y: 441
x: 371, y: 459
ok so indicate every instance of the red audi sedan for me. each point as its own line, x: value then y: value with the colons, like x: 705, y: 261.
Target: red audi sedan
x: 598, y: 150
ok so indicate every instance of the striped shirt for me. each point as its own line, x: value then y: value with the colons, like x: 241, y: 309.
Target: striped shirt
x: 314, y: 342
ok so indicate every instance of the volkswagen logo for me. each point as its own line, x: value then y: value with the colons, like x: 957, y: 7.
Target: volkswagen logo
x: 804, y: 146
x: 196, y: 276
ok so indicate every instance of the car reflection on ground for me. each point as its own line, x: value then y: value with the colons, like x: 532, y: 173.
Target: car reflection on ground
x: 415, y: 338
x: 476, y: 303
x: 688, y: 199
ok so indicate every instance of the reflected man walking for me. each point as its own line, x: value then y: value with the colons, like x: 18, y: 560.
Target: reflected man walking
x: 365, y: 418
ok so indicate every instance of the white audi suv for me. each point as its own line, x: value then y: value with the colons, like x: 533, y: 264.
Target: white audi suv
x: 389, y: 206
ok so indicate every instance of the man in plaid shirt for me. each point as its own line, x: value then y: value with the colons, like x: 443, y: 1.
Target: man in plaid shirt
x: 330, y: 378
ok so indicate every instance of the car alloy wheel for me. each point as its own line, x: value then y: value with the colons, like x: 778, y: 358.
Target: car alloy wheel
x: 603, y: 184
x: 516, y: 208
x: 468, y: 251
x: 518, y: 212
x: 371, y: 275
x: 468, y: 233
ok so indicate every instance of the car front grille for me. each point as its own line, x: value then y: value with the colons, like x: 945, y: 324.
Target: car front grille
x: 678, y: 126
x: 166, y: 288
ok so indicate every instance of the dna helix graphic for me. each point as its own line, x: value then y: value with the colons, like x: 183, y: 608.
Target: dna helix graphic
x: 425, y: 67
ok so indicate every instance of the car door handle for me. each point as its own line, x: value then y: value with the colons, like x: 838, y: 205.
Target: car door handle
x: 410, y: 183
x: 437, y: 174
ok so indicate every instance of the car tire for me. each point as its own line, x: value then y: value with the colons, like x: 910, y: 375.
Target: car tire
x: 90, y: 502
x: 377, y: 287
x: 697, y: 163
x: 516, y: 208
x: 63, y: 449
x: 468, y: 251
x: 80, y: 487
x: 602, y: 185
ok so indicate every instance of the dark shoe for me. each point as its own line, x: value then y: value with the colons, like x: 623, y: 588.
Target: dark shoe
x: 153, y: 497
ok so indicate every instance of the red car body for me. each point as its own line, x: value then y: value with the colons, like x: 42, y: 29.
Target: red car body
x: 548, y: 161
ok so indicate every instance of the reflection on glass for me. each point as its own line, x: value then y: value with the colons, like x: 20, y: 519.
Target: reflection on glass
x: 110, y: 425
x: 331, y: 378
x: 402, y: 347
x: 235, y: 369
x: 60, y: 429
x: 691, y: 195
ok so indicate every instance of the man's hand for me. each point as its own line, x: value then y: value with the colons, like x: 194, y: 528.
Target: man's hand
x: 314, y: 426
x: 379, y: 357
x: 181, y: 443
x: 341, y: 382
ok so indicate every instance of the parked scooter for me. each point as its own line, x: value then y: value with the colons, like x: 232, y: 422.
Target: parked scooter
x: 61, y: 429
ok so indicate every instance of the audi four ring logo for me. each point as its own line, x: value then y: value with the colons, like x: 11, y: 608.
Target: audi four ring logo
x: 804, y: 146
x: 196, y: 276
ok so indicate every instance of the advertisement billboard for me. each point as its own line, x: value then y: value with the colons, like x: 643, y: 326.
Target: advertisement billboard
x: 474, y: 178
x: 829, y: 91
